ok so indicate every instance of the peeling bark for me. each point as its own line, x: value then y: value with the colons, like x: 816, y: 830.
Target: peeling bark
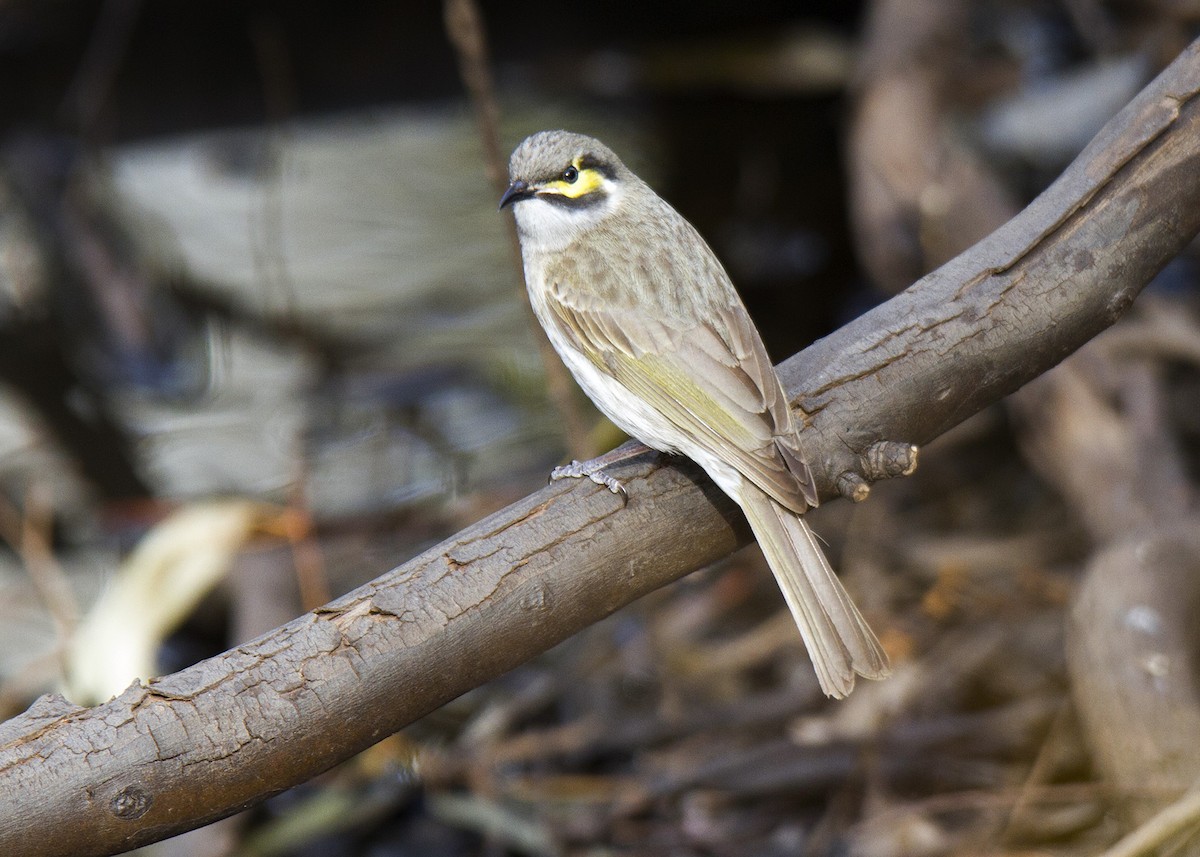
x: 217, y: 737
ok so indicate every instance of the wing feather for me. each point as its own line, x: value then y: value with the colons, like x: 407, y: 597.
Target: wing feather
x: 713, y: 380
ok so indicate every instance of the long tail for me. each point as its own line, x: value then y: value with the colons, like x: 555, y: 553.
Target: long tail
x: 839, y: 640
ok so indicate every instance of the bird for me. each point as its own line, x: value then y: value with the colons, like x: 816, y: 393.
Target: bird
x: 650, y: 325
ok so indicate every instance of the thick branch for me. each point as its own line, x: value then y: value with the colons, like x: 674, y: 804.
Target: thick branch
x: 1019, y: 301
x: 226, y: 733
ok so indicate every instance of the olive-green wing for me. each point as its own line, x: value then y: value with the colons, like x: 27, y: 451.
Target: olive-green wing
x: 713, y: 380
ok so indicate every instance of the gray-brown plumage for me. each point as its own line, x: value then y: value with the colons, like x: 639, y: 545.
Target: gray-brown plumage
x: 647, y: 320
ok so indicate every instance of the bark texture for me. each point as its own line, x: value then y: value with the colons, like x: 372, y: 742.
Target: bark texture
x: 210, y: 740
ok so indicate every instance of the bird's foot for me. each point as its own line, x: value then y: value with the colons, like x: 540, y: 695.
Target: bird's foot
x: 594, y: 468
x: 593, y: 471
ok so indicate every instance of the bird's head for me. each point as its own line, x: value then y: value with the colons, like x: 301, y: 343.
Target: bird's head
x: 560, y: 184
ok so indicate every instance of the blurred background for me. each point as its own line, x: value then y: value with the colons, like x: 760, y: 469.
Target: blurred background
x: 263, y: 337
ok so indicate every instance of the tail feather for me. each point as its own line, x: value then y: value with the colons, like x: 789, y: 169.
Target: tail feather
x: 839, y: 640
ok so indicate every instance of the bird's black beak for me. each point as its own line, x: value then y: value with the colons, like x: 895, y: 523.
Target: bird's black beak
x: 517, y: 191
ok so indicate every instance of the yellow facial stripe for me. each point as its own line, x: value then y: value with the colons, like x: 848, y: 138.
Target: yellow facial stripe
x: 589, y: 181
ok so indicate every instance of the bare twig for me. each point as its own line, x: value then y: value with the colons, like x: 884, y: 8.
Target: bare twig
x: 464, y: 25
x: 1178, y: 818
x: 89, y: 90
x: 28, y: 533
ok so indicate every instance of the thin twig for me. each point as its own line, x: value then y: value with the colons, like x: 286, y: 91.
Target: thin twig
x: 37, y: 552
x: 1170, y: 822
x: 107, y: 46
x: 464, y: 26
x: 28, y: 533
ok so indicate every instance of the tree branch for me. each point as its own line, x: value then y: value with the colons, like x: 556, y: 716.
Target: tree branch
x: 222, y: 735
x: 1019, y: 301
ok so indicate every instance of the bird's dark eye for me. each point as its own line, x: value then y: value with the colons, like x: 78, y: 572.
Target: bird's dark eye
x: 570, y: 174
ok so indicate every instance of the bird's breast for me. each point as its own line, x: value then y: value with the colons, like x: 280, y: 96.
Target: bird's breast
x: 624, y: 409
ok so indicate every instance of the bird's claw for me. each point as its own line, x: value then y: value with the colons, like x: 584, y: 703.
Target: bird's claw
x: 580, y: 469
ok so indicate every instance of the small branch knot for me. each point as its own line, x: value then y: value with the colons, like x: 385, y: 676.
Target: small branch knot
x: 886, y: 459
x: 853, y: 487
x: 130, y: 803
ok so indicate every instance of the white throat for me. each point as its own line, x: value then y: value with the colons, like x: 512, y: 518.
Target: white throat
x: 545, y: 227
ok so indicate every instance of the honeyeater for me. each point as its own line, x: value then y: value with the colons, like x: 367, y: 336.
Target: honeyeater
x: 646, y: 319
